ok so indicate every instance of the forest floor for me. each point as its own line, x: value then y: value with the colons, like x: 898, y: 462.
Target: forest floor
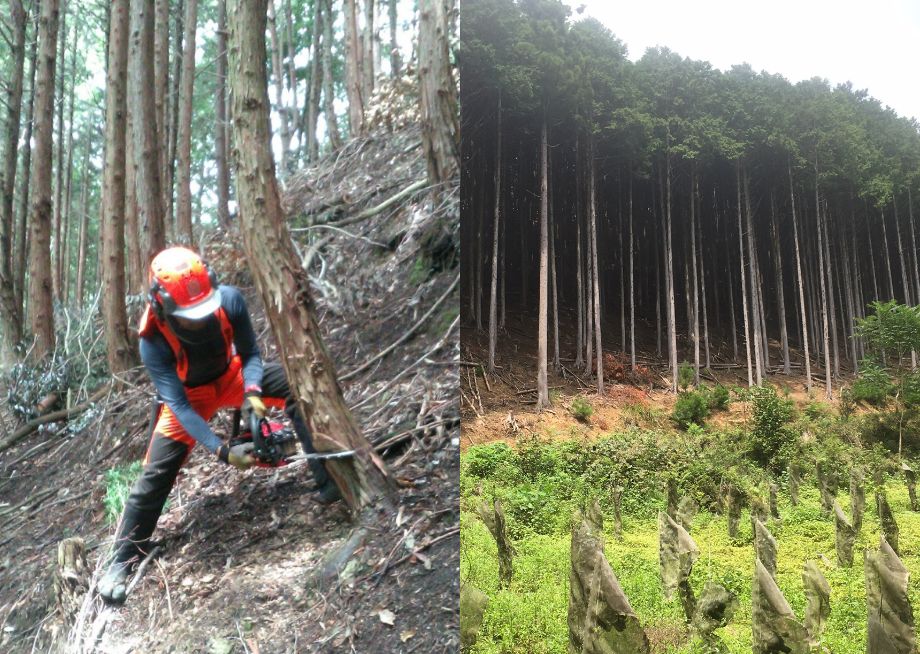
x: 250, y: 562
x: 501, y: 405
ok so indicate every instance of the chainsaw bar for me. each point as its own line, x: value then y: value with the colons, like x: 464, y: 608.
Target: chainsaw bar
x: 317, y: 456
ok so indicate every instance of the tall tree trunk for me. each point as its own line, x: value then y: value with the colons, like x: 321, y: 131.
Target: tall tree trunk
x: 824, y: 317
x: 171, y: 140
x: 755, y: 287
x: 184, y: 128
x: 543, y: 400
x: 278, y: 78
x: 332, y: 123
x: 592, y: 208
x: 887, y: 257
x: 553, y: 280
x: 744, y: 296
x: 395, y: 63
x: 780, y: 291
x: 315, y: 87
x: 57, y: 255
x: 832, y: 303
x: 20, y: 261
x: 220, y: 129
x: 291, y: 63
x: 696, y: 288
x: 147, y: 170
x: 367, y: 50
x: 136, y: 262
x: 632, y: 287
x: 437, y: 93
x: 579, y: 210
x: 622, y: 267
x: 68, y: 171
x: 701, y: 251
x: 913, y: 241
x: 669, y: 275
x: 84, y: 222
x: 493, y: 289
x: 905, y: 280
x: 118, y: 349
x: 353, y: 66
x: 161, y: 81
x: 41, y: 315
x: 10, y: 315
x: 283, y: 284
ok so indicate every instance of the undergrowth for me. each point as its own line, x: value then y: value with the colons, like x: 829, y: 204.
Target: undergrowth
x: 118, y: 483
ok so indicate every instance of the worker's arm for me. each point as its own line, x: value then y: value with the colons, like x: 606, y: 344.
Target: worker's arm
x: 244, y: 337
x: 161, y: 366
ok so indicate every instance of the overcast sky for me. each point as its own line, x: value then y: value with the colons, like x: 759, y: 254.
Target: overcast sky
x: 873, y: 43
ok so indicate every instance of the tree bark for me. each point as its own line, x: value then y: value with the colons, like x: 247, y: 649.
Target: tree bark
x: 755, y: 286
x: 10, y: 314
x: 493, y: 289
x: 744, y: 296
x: 118, y: 348
x: 824, y: 320
x: 437, y: 93
x: 22, y: 239
x: 367, y: 51
x: 220, y: 129
x: 592, y: 208
x: 632, y: 286
x: 41, y: 315
x: 669, y: 261
x: 84, y: 222
x: 278, y: 79
x: 170, y: 139
x: 579, y: 211
x: 353, y: 66
x: 543, y: 400
x: 395, y: 63
x: 57, y: 254
x: 135, y: 262
x: 887, y: 257
x: 315, y: 88
x: 283, y: 284
x: 696, y: 288
x: 147, y: 170
x: 161, y: 80
x: 780, y: 291
x: 332, y: 123
x: 184, y: 128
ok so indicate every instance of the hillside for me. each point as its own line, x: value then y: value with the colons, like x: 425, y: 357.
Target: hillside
x: 250, y: 561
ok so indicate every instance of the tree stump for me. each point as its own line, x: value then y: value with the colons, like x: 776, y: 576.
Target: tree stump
x: 71, y: 579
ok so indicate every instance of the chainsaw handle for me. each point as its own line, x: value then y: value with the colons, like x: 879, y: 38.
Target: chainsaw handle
x: 255, y: 428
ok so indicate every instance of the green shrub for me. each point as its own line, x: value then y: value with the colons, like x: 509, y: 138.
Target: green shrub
x: 717, y: 397
x: 581, y: 409
x: 686, y: 375
x: 482, y: 460
x: 538, y: 459
x: 118, y: 483
x: 873, y: 385
x: 770, y: 434
x: 691, y: 407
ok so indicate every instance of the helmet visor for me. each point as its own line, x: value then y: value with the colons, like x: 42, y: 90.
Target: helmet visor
x: 201, y: 309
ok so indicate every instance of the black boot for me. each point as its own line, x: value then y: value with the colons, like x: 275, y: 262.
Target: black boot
x: 113, y: 587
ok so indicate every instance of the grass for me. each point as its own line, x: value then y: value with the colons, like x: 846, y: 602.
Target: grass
x: 118, y: 482
x: 530, y: 616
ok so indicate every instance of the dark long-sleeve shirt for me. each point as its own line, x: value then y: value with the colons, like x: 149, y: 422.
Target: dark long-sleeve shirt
x: 207, y: 360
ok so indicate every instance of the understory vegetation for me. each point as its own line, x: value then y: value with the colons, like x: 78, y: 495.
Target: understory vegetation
x: 541, y: 483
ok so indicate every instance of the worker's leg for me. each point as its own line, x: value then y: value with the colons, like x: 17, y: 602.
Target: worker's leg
x: 275, y: 387
x: 169, y: 446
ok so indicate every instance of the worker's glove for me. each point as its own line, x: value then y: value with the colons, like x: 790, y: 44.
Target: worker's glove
x: 252, y: 404
x: 239, y: 456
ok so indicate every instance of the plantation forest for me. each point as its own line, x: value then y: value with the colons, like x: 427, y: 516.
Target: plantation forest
x: 690, y: 325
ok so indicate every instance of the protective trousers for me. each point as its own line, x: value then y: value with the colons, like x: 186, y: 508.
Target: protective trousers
x: 170, y: 446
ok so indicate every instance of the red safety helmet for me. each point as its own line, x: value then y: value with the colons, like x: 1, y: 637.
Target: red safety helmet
x: 182, y: 285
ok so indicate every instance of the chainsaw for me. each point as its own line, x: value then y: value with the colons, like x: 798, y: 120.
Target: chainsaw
x: 274, y: 444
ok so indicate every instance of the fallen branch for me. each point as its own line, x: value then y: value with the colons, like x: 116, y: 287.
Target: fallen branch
x: 54, y: 416
x: 143, y: 566
x: 367, y: 364
x: 383, y: 206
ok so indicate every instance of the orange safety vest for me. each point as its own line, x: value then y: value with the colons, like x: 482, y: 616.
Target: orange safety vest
x: 151, y: 325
